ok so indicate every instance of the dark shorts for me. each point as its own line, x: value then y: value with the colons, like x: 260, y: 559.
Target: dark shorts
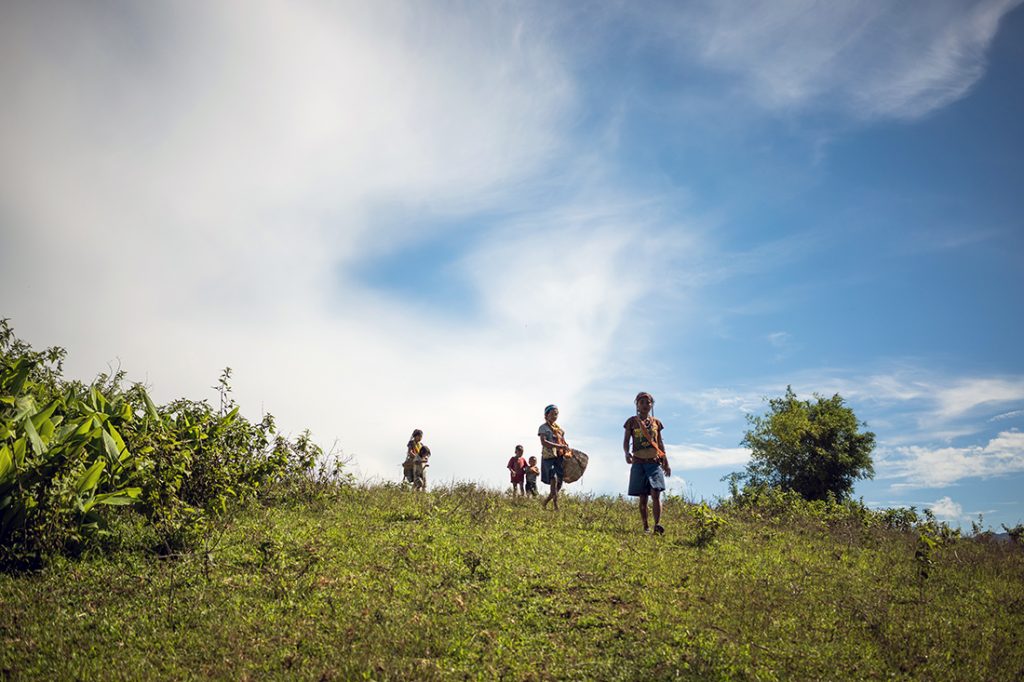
x: 550, y: 469
x: 531, y: 487
x: 645, y: 477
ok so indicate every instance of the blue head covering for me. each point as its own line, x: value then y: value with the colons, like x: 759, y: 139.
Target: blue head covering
x: 549, y: 408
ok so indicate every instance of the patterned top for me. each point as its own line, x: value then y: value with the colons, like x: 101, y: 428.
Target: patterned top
x: 642, y: 447
x: 553, y: 433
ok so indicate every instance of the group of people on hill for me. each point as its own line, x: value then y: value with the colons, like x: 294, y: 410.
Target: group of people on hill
x: 642, y: 445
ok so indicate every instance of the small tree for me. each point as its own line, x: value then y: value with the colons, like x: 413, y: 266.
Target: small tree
x: 812, y: 448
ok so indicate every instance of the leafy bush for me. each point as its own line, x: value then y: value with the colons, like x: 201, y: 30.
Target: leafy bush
x: 763, y: 502
x: 70, y: 453
x: 708, y: 524
x: 813, y: 448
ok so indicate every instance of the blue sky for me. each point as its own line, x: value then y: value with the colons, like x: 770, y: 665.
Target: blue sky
x: 387, y: 216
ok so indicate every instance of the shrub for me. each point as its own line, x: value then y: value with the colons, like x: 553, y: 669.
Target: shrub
x: 70, y: 453
x: 709, y: 523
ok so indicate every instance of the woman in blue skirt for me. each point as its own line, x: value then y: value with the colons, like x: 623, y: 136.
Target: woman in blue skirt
x: 553, y: 450
x: 649, y: 465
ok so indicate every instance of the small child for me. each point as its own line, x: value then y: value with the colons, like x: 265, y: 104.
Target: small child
x: 420, y: 469
x: 532, y: 472
x: 517, y: 467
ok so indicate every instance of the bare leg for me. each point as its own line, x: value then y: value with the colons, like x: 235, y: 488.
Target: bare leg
x: 553, y: 495
x: 656, y: 495
x: 643, y: 510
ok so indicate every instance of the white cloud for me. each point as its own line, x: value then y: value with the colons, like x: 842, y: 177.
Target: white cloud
x: 924, y: 467
x: 874, y: 59
x: 965, y: 396
x: 945, y: 509
x: 203, y: 179
x: 235, y: 139
x: 696, y: 456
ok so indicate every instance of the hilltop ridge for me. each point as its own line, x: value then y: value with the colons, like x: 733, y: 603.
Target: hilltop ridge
x: 464, y: 583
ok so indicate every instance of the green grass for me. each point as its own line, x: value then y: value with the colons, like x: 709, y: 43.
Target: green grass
x: 379, y: 583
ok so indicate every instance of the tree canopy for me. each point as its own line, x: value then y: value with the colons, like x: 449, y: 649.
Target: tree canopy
x: 811, y: 447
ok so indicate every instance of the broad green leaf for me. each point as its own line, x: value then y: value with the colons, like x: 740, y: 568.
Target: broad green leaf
x: 46, y: 431
x: 122, y: 449
x: 21, y: 369
x: 150, y: 407
x: 99, y: 403
x: 91, y: 477
x: 110, y: 445
x: 33, y: 437
x: 85, y: 427
x: 19, y: 452
x: 119, y: 498
x: 6, y: 463
x: 39, y: 417
x: 25, y: 405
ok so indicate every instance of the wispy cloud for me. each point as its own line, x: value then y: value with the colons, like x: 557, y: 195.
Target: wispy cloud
x: 695, y: 456
x: 219, y: 166
x: 968, y: 395
x: 779, y: 339
x: 873, y: 60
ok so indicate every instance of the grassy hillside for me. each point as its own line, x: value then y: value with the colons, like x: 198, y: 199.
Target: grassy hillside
x: 380, y: 583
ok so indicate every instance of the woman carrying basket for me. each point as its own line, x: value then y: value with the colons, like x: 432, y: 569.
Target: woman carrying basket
x: 648, y: 459
x: 553, y: 450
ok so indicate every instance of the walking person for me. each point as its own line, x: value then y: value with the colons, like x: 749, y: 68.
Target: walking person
x: 532, y: 472
x: 419, y: 469
x: 553, y: 450
x: 517, y: 469
x: 413, y: 459
x: 649, y: 464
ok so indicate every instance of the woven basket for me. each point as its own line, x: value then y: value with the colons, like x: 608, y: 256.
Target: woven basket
x: 574, y: 466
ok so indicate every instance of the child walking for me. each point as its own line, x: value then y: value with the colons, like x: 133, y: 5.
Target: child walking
x: 532, y: 472
x: 517, y: 468
x: 649, y: 464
